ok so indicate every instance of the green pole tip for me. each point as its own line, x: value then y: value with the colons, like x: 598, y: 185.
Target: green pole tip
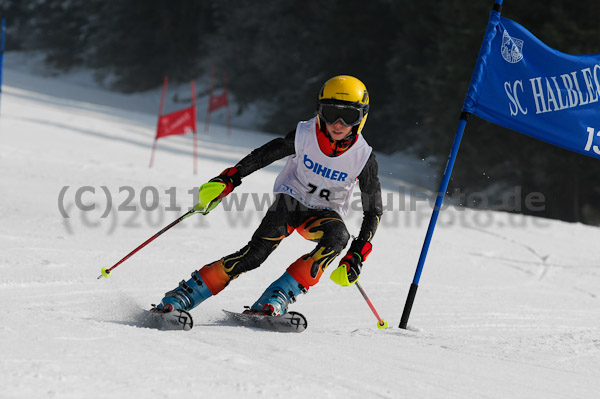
x: 382, y: 325
x: 105, y: 272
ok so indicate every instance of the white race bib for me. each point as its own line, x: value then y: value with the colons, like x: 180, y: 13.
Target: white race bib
x: 319, y: 181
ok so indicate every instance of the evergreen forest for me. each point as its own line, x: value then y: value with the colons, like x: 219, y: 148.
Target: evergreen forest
x: 415, y: 57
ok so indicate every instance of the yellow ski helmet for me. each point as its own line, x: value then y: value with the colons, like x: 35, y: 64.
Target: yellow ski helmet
x: 344, y: 98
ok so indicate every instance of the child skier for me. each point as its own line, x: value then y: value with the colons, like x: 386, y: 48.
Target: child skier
x: 326, y: 155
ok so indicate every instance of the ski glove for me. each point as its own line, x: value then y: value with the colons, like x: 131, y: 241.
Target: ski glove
x: 211, y: 193
x: 350, y: 266
x: 231, y: 178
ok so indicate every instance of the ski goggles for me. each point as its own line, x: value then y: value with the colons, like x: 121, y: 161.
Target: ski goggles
x: 347, y: 114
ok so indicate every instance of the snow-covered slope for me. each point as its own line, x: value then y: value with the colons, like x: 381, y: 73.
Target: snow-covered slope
x: 508, y: 306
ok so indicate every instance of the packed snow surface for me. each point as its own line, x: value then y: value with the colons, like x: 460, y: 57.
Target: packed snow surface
x: 507, y: 306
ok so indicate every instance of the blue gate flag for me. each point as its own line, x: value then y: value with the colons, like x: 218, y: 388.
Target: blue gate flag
x: 524, y: 85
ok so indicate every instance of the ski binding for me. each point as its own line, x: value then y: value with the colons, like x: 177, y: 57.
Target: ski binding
x: 288, y: 322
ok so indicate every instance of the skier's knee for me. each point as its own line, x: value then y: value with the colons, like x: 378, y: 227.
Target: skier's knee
x: 336, y: 239
x: 339, y: 239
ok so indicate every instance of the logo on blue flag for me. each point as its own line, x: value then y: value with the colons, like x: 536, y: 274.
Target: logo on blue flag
x: 512, y: 48
x: 524, y: 85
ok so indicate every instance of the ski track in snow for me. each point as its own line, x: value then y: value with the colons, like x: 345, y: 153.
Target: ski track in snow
x: 509, y: 310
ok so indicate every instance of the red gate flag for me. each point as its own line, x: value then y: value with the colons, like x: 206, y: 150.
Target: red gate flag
x: 217, y: 102
x: 178, y: 122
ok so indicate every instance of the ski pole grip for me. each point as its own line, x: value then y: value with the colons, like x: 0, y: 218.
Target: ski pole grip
x: 412, y: 292
x: 208, y: 196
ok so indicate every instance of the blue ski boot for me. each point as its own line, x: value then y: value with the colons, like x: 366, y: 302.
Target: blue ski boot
x: 187, y: 296
x: 276, y: 298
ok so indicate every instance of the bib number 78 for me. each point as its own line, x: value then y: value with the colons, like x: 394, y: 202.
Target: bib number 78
x: 589, y: 146
x: 324, y: 193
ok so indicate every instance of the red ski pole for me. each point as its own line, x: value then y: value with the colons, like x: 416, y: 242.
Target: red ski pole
x: 381, y: 324
x: 207, y: 201
x: 106, y: 271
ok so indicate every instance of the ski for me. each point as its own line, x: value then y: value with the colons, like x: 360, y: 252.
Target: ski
x: 178, y: 319
x: 289, y: 322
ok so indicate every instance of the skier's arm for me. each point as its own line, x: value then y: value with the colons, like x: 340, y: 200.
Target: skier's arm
x: 370, y: 189
x: 350, y: 266
x: 259, y: 158
x: 267, y: 154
